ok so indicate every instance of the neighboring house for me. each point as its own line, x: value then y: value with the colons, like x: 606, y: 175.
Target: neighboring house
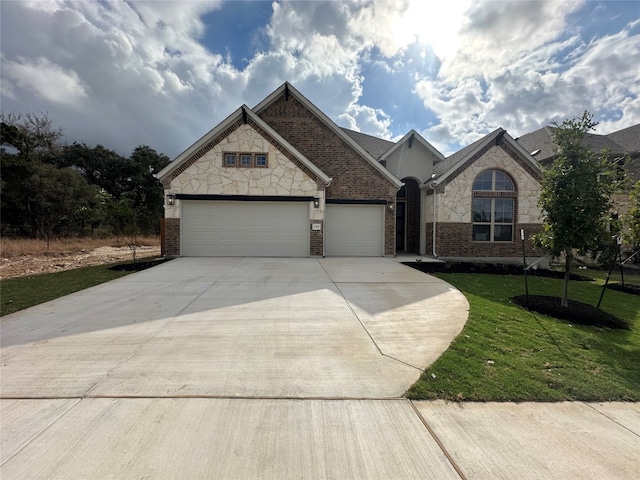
x: 282, y: 179
x: 623, y: 142
x: 623, y: 147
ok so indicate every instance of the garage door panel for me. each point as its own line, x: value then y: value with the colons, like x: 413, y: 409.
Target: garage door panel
x: 245, y: 228
x: 354, y: 230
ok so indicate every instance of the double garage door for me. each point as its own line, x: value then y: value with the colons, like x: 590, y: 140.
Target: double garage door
x: 277, y: 229
x: 244, y: 229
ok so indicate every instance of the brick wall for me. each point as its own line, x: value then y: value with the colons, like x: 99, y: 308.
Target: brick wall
x: 353, y: 177
x: 315, y: 239
x: 454, y: 240
x: 172, y: 237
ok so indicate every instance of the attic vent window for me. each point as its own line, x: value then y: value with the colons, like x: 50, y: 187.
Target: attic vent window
x: 245, y: 160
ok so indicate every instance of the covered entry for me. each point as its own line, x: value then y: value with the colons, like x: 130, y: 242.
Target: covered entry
x: 354, y: 230
x: 244, y: 228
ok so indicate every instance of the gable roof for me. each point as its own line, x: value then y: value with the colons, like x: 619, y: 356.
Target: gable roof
x: 374, y: 145
x: 287, y: 89
x: 410, y: 136
x: 542, y: 140
x: 446, y: 170
x: 243, y: 113
x: 628, y: 138
x: 539, y: 142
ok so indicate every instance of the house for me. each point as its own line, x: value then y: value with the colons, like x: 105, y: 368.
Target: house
x: 282, y: 179
x: 623, y: 147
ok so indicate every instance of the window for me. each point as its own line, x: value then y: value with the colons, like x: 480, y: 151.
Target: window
x: 493, y: 180
x: 492, y: 207
x: 245, y: 160
x: 230, y: 160
x: 261, y: 160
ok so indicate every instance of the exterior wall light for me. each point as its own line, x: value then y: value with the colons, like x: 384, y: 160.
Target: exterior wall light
x: 390, y: 205
x: 316, y: 203
x: 171, y: 199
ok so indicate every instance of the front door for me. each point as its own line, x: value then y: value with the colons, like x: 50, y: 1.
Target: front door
x: 401, y: 216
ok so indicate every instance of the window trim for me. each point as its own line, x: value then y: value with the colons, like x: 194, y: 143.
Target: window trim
x: 239, y: 156
x: 227, y: 156
x: 494, y: 195
x: 266, y: 160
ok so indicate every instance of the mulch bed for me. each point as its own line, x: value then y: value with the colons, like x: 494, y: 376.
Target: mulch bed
x: 576, y: 312
x: 632, y: 289
x: 137, y: 266
x: 489, y: 268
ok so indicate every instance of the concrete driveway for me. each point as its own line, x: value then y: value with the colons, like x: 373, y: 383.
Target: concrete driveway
x: 269, y: 368
x: 236, y: 327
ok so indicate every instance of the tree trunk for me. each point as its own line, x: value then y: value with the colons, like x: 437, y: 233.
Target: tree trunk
x: 567, y: 271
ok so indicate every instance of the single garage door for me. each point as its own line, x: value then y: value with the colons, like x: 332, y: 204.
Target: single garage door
x: 354, y: 230
x: 253, y: 229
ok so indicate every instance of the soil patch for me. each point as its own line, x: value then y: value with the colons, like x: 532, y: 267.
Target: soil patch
x: 627, y: 288
x: 576, y: 312
x: 138, y: 266
x: 488, y: 268
x: 25, y: 265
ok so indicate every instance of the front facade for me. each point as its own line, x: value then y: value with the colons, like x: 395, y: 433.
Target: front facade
x: 282, y: 179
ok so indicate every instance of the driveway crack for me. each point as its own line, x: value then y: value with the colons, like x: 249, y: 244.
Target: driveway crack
x: 147, y: 341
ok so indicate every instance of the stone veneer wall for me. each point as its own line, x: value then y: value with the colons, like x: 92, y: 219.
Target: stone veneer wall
x: 207, y: 176
x: 353, y: 177
x: 453, y: 229
x: 455, y: 205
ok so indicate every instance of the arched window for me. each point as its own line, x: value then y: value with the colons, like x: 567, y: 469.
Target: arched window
x: 492, y: 207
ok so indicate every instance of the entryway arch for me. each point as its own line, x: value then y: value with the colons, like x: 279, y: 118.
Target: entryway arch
x: 408, y: 217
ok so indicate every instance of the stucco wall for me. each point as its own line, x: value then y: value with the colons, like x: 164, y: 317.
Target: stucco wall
x: 416, y: 162
x: 207, y: 176
x: 455, y: 205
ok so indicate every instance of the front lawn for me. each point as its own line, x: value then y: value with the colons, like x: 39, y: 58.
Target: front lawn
x: 506, y: 353
x: 23, y: 292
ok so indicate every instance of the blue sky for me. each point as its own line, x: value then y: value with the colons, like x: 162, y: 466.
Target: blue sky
x: 163, y: 73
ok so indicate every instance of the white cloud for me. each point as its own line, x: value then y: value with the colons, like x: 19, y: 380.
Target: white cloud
x: 500, y: 78
x: 370, y: 120
x: 127, y: 73
x: 48, y: 81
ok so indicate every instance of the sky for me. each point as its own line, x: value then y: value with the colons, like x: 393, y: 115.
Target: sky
x: 163, y: 73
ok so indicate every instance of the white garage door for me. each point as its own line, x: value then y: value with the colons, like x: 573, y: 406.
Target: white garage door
x: 254, y: 229
x: 354, y: 230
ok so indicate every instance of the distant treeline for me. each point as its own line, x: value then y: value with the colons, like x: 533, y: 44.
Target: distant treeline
x: 53, y: 189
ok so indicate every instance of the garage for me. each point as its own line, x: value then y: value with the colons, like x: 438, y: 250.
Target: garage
x: 354, y: 230
x: 244, y: 228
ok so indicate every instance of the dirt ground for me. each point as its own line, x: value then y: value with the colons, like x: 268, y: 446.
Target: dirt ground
x: 25, y: 265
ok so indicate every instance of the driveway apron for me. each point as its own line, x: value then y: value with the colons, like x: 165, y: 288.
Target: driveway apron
x: 236, y: 368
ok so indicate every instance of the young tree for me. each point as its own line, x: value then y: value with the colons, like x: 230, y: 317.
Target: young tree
x: 125, y: 221
x: 576, y: 196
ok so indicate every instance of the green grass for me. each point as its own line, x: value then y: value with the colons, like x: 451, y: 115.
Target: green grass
x: 505, y: 353
x: 23, y: 292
